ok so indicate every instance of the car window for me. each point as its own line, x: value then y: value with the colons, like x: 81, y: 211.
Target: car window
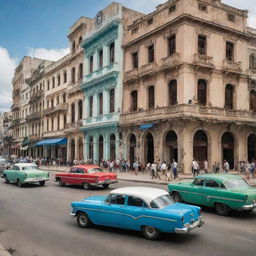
x: 161, y: 202
x: 94, y: 170
x: 198, y: 181
x: 135, y: 201
x: 73, y: 170
x: 212, y: 184
x: 116, y: 199
x: 30, y: 167
x: 16, y: 168
x: 223, y: 185
x: 80, y: 170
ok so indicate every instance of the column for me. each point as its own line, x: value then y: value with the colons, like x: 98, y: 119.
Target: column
x: 106, y: 147
x: 76, y: 147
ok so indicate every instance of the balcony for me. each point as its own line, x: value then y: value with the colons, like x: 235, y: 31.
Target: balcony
x: 252, y: 73
x: 48, y: 111
x: 15, y: 122
x: 15, y: 106
x: 148, y: 69
x: 231, y: 67
x: 74, y: 88
x: 203, y: 61
x: 56, y: 133
x: 170, y: 62
x: 190, y: 111
x: 131, y: 75
x: 63, y: 107
x: 73, y: 127
x: 34, y: 116
x: 36, y: 95
x: 35, y: 137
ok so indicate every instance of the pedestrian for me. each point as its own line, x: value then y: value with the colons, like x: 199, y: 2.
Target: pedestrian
x: 164, y: 168
x: 252, y: 168
x: 136, y: 167
x: 148, y: 166
x: 153, y: 170
x: 247, y: 171
x: 226, y: 166
x: 174, y: 169
x: 205, y: 166
x: 168, y: 172
x: 195, y: 167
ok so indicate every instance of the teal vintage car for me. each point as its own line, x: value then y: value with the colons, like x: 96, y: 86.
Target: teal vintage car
x: 22, y: 173
x: 224, y: 192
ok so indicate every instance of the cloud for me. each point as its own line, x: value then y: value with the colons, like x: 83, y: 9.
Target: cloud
x: 7, y: 67
x: 48, y: 54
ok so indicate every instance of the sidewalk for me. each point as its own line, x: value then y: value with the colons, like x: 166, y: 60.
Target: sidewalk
x: 3, y: 252
x: 143, y: 177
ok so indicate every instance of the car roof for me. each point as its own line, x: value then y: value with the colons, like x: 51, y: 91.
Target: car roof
x: 220, y: 177
x: 86, y: 166
x: 146, y: 193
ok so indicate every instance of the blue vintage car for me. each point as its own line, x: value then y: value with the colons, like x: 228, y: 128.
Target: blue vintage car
x: 149, y: 210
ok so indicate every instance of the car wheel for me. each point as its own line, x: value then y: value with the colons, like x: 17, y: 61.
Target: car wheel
x: 42, y: 183
x: 176, y: 197
x: 150, y: 233
x: 61, y: 183
x: 105, y: 186
x: 86, y: 186
x: 6, y: 179
x: 19, y: 183
x: 83, y: 220
x: 222, y: 209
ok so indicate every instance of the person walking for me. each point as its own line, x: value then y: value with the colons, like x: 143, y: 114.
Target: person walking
x: 195, y: 168
x: 164, y: 168
x: 247, y: 171
x: 252, y: 169
x: 174, y: 169
x: 153, y: 170
x: 226, y: 166
x: 205, y: 166
x: 168, y: 172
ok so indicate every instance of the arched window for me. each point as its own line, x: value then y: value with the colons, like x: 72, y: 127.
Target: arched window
x: 101, y: 103
x: 65, y: 77
x: 91, y: 106
x: 80, y: 108
x: 200, y: 147
x: 64, y: 121
x: 64, y: 98
x: 173, y: 92
x: 72, y: 113
x: 112, y: 147
x: 151, y: 97
x: 134, y: 100
x: 229, y: 92
x: 53, y: 82
x: 81, y: 70
x: 58, y: 79
x: 73, y: 75
x: 253, y: 100
x: 80, y: 41
x: 58, y: 122
x: 112, y: 100
x: 202, y: 92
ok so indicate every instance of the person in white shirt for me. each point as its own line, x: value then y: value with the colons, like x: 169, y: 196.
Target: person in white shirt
x: 153, y: 170
x: 174, y: 169
x: 195, y: 167
x: 164, y: 168
x: 226, y: 166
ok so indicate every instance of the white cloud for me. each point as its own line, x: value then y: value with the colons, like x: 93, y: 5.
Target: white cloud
x: 7, y: 67
x: 48, y: 54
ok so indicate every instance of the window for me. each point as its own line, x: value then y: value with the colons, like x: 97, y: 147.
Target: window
x: 47, y: 125
x: 253, y: 100
x: 135, y: 60
x: 229, y: 96
x: 150, y: 21
x: 211, y: 183
x: 223, y: 186
x: 65, y: 77
x: 231, y: 17
x: 101, y: 58
x: 116, y: 199
x: 134, y: 100
x: 81, y: 71
x: 252, y: 60
x: 135, y: 201
x: 72, y: 113
x: 80, y: 41
x: 91, y: 65
x: 91, y: 106
x: 202, y: 45
x: 172, y: 8
x: 52, y: 101
x: 64, y: 98
x: 112, y: 53
x: 202, y: 7
x: 53, y: 82
x: 52, y: 124
x: 64, y: 120
x: 58, y: 80
x: 202, y: 92
x: 112, y: 101
x: 151, y: 53
x: 58, y: 122
x: 80, y: 109
x: 172, y: 45
x: 151, y: 97
x: 135, y: 30
x: 173, y: 92
x: 229, y: 51
x: 58, y: 100
x: 73, y: 46
x: 198, y: 182
x: 73, y: 75
x: 101, y: 103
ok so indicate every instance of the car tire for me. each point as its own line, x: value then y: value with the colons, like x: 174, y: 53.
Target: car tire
x: 86, y: 186
x: 176, y: 197
x: 83, y: 220
x: 61, y: 183
x: 150, y: 233
x: 19, y: 183
x: 42, y: 183
x: 6, y: 179
x: 222, y: 209
x: 105, y: 186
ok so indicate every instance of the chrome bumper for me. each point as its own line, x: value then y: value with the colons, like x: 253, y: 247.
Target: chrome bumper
x: 188, y: 227
x: 249, y: 206
x: 104, y: 182
x: 32, y: 180
x: 73, y: 214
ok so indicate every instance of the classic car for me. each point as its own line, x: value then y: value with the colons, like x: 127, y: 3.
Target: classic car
x: 86, y: 176
x: 149, y: 210
x: 225, y: 192
x: 22, y: 173
x: 4, y: 164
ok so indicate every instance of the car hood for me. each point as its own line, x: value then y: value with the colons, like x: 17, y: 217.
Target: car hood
x: 95, y: 200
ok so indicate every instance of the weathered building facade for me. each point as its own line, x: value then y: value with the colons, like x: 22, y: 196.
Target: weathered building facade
x: 189, y: 85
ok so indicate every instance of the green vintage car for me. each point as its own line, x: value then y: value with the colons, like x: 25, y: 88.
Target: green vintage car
x: 222, y: 191
x: 25, y: 173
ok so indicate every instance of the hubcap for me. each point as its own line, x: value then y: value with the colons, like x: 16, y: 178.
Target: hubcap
x: 83, y: 220
x: 150, y: 231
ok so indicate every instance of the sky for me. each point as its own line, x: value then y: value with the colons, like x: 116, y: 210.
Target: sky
x: 39, y: 28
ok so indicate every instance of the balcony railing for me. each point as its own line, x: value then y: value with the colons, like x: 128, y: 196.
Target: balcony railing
x: 131, y: 75
x: 252, y: 73
x: 63, y: 107
x: 188, y: 111
x: 170, y: 62
x: 71, y: 127
x: 203, y: 60
x: 36, y: 95
x: 48, y: 111
x: 148, y: 69
x: 74, y: 88
x: 231, y: 67
x: 33, y: 116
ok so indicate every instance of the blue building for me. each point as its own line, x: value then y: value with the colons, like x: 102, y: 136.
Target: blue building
x: 102, y: 83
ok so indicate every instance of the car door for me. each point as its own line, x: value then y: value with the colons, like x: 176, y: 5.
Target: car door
x: 70, y: 177
x: 210, y: 190
x: 14, y: 173
x: 112, y: 212
x: 9, y: 173
x: 195, y: 193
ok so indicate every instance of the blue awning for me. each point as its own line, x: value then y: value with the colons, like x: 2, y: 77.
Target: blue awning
x: 146, y: 126
x: 52, y: 142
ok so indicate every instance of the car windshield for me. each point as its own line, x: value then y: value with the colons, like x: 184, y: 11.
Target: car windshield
x: 238, y: 183
x: 161, y: 202
x: 93, y: 170
x: 30, y: 168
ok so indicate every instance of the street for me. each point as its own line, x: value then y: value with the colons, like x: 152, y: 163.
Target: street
x: 35, y: 221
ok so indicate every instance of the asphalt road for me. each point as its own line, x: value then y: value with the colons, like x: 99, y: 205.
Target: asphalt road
x: 35, y: 221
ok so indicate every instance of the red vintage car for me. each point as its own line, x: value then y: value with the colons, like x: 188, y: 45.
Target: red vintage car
x: 86, y: 176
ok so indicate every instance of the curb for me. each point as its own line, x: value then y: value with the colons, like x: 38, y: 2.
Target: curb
x: 4, y: 252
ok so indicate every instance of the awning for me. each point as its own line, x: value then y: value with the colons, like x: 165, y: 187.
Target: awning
x: 146, y: 126
x: 24, y: 148
x: 52, y: 142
